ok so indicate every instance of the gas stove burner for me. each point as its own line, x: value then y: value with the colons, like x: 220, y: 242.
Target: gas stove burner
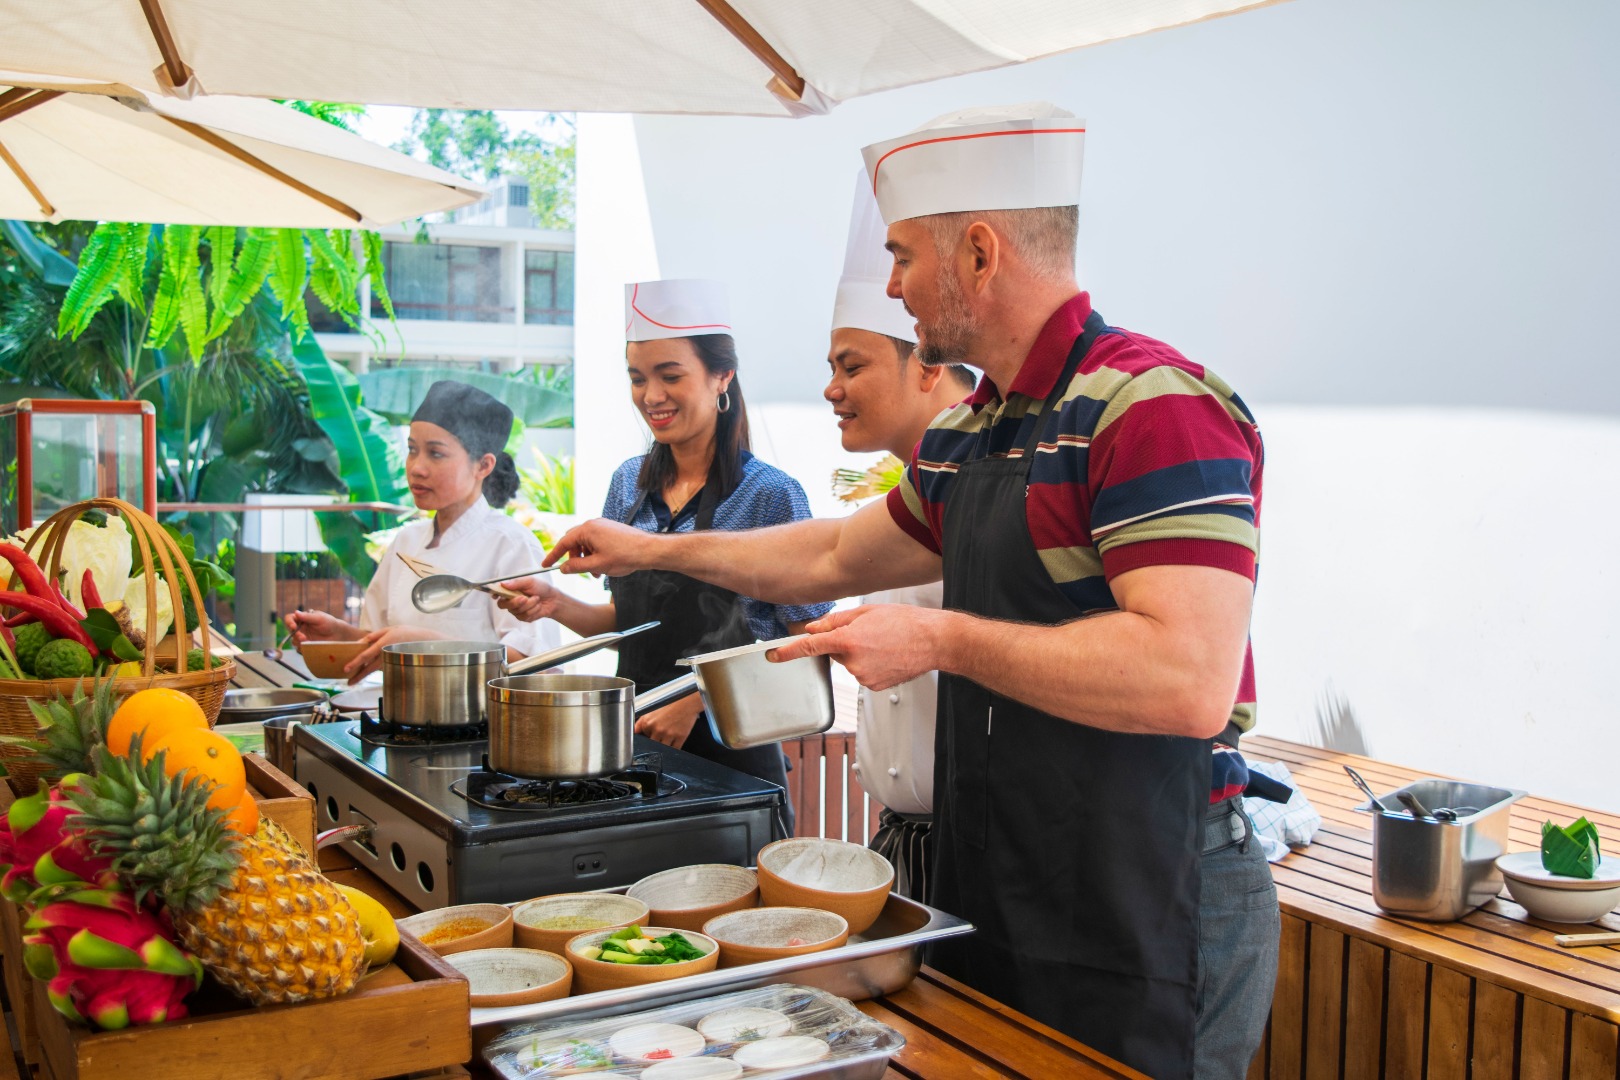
x: 644, y: 780
x: 384, y: 733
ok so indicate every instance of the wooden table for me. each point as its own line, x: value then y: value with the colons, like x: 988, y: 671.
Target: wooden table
x: 1362, y: 994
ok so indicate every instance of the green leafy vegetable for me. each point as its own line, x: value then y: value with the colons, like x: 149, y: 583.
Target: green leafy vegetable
x: 1571, y: 850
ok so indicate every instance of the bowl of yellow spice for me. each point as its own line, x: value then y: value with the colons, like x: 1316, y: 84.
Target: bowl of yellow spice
x: 462, y: 928
x: 549, y: 922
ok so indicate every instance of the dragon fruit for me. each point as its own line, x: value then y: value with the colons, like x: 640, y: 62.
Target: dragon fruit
x: 106, y: 960
x: 40, y: 847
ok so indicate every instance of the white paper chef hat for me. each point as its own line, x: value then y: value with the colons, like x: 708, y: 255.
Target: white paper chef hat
x: 863, y: 300
x: 1001, y: 157
x: 675, y: 307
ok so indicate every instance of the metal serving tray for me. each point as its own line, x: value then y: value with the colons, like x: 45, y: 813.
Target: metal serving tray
x: 881, y: 961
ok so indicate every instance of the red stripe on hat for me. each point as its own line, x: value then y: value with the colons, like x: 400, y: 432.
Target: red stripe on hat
x: 635, y: 290
x: 958, y: 138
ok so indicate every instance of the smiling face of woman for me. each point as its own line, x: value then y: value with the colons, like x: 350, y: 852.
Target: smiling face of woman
x: 440, y: 471
x: 675, y: 394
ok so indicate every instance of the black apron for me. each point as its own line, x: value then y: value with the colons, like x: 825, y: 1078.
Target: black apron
x: 694, y: 617
x: 1074, y: 851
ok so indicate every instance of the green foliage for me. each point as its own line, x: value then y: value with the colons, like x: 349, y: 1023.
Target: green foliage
x: 396, y: 392
x: 338, y: 114
x: 549, y: 486
x: 477, y: 143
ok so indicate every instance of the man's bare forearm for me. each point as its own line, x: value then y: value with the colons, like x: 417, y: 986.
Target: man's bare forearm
x: 784, y: 564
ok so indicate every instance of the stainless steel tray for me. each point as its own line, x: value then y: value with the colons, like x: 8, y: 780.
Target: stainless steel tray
x: 881, y: 961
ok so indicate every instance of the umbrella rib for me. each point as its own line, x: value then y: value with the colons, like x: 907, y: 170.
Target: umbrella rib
x: 176, y: 67
x: 45, y: 206
x: 224, y: 145
x: 17, y: 105
x: 788, y: 83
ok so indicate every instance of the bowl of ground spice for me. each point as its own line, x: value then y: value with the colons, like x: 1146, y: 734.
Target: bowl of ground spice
x: 462, y: 928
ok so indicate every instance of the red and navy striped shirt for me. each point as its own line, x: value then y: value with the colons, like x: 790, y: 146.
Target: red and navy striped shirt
x: 1153, y: 461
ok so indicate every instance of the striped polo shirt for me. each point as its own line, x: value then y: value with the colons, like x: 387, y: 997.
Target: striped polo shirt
x: 1153, y: 461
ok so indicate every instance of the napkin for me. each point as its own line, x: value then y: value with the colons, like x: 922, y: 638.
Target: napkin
x: 1571, y: 851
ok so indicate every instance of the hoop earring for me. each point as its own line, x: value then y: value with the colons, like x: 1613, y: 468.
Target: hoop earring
x: 723, y: 402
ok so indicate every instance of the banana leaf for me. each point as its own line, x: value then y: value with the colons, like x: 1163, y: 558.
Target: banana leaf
x: 369, y: 458
x: 47, y: 264
x: 396, y: 392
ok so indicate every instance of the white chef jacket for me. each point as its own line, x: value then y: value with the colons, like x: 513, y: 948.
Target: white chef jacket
x: 483, y: 543
x: 894, y: 732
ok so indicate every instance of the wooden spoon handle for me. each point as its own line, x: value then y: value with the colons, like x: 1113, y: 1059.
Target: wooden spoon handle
x: 1575, y: 941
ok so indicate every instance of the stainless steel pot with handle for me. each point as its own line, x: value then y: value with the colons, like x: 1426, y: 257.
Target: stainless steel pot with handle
x: 752, y: 701
x: 559, y: 727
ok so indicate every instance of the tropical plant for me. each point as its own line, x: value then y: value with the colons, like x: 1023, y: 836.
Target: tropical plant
x: 854, y: 485
x: 549, y: 486
x: 397, y: 391
x: 477, y: 143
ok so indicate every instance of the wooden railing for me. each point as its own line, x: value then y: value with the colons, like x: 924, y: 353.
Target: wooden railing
x: 827, y: 795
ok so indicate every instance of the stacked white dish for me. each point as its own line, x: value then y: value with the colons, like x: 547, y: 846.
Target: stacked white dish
x: 1556, y: 897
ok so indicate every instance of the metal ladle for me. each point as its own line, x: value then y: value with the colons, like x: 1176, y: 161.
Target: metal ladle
x: 441, y: 592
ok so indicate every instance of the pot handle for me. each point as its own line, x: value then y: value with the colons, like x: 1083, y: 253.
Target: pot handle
x: 668, y: 692
x: 574, y: 650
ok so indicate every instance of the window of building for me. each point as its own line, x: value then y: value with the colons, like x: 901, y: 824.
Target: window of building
x: 446, y: 282
x: 548, y: 288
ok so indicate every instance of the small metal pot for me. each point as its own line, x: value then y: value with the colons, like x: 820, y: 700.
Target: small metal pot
x: 258, y: 704
x: 438, y: 683
x: 557, y: 727
x: 752, y: 701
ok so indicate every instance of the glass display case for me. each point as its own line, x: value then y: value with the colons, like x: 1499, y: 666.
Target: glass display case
x: 54, y: 453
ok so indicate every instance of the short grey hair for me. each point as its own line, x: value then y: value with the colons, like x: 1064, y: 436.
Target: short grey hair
x: 1043, y: 237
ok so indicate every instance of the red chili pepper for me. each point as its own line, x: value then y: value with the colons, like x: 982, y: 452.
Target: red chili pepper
x: 8, y: 638
x: 64, y: 603
x: 22, y: 618
x: 33, y: 578
x: 57, y: 621
x: 89, y: 593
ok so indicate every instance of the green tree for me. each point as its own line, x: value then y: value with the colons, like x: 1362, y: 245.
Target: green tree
x: 477, y: 143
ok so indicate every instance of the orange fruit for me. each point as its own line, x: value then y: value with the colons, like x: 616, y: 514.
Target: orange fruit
x: 156, y: 712
x: 245, y: 818
x: 207, y: 756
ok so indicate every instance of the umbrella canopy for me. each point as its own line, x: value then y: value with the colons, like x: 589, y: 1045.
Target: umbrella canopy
x: 751, y: 57
x: 77, y: 149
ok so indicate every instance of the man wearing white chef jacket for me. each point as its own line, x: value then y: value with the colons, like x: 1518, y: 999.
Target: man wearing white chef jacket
x: 1093, y: 509
x: 884, y: 400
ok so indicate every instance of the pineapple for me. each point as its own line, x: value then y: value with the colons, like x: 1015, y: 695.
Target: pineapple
x: 255, y: 910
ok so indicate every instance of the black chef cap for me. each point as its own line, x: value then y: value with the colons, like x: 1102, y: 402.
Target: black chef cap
x: 482, y: 423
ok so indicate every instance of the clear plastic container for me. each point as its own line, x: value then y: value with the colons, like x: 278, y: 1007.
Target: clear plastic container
x: 777, y: 1032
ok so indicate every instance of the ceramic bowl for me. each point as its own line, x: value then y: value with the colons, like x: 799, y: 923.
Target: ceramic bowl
x: 744, y: 1023
x: 847, y: 879
x: 607, y: 911
x: 501, y: 977
x: 326, y: 659
x: 1556, y: 898
x: 593, y: 975
x: 700, y: 1068
x: 655, y: 1042
x: 783, y: 1053
x: 768, y: 933
x: 462, y: 928
x: 689, y: 896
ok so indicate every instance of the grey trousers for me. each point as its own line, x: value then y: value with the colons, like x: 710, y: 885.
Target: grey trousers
x: 1239, y: 929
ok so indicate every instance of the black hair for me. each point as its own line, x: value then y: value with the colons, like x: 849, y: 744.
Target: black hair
x: 502, y: 483
x: 718, y: 352
x: 960, y: 372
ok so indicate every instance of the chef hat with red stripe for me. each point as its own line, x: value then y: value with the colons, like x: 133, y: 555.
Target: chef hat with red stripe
x: 675, y: 307
x: 863, y: 301
x: 1000, y: 157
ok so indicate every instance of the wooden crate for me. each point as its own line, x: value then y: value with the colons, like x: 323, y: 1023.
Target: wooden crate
x: 409, y: 1017
x: 19, y: 984
x: 281, y: 799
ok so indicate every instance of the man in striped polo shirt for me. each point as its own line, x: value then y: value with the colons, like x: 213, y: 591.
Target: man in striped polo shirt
x: 1093, y: 510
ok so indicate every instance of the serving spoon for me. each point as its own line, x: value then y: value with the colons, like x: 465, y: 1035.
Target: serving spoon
x: 441, y: 592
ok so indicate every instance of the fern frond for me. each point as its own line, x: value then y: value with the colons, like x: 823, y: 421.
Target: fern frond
x: 100, y: 268
x: 253, y: 262
x: 221, y: 254
x: 335, y: 277
x: 131, y: 283
x: 166, y: 305
x: 288, y: 276
x: 373, y: 245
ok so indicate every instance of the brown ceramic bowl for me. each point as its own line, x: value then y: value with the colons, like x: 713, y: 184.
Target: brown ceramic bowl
x: 501, y: 977
x: 689, y: 896
x: 593, y: 975
x: 572, y: 914
x: 748, y: 937
x: 846, y: 879
x: 462, y: 928
x: 326, y: 659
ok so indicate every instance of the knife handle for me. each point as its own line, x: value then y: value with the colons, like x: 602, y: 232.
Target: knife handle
x: 1575, y: 941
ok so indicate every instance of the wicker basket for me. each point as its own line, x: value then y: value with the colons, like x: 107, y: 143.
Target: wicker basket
x: 158, y: 551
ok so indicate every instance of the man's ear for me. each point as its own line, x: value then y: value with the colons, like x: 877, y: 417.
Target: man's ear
x: 928, y: 377
x: 982, y: 248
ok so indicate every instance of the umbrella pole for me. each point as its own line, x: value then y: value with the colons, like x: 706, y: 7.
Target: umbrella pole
x: 44, y: 204
x: 225, y: 146
x: 18, y: 101
x: 786, y: 83
x: 176, y: 68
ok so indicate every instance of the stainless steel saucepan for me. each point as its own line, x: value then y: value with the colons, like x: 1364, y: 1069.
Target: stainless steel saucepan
x: 444, y: 683
x: 560, y: 726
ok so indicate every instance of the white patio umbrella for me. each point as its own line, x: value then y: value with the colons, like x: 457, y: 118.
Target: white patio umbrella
x: 750, y: 57
x: 77, y: 149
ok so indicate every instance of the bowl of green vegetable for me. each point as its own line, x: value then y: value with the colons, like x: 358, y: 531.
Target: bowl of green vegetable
x: 636, y: 955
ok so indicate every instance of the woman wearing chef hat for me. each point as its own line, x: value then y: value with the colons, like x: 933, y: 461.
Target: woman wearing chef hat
x: 458, y: 469
x: 698, y: 474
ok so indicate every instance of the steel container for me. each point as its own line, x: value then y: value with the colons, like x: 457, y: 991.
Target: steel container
x: 257, y: 704
x: 1424, y: 868
x: 561, y: 726
x: 438, y: 683
x: 752, y: 701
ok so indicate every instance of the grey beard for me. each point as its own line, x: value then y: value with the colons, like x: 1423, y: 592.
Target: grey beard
x: 945, y: 342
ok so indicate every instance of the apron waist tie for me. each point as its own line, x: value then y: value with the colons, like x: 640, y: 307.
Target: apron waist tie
x: 1221, y: 832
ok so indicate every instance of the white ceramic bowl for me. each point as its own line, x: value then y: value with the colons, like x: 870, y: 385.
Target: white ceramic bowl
x: 783, y: 1053
x: 656, y: 1042
x: 689, y: 896
x: 702, y: 1068
x: 501, y: 977
x: 1561, y: 905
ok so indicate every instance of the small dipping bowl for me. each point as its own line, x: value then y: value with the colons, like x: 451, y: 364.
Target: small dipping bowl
x: 575, y: 913
x: 655, y: 1042
x: 769, y: 933
x: 846, y: 879
x: 593, y: 975
x: 783, y: 1053
x: 698, y: 1068
x: 501, y: 977
x: 462, y: 928
x: 689, y: 896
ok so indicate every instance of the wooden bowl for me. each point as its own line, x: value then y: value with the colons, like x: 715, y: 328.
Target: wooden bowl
x: 593, y: 975
x: 451, y: 929
x: 847, y: 879
x: 500, y: 977
x: 689, y: 896
x: 609, y: 910
x: 327, y: 659
x: 747, y: 937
